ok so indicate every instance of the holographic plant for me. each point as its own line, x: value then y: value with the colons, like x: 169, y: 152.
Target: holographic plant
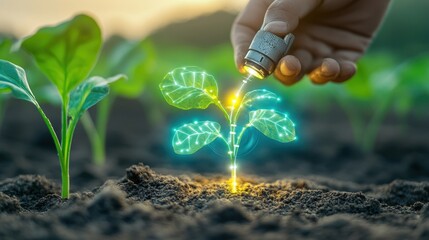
x: 192, y: 88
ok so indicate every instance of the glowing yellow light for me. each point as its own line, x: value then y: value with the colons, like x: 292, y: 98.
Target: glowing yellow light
x: 254, y: 72
x: 233, y: 180
x: 233, y: 99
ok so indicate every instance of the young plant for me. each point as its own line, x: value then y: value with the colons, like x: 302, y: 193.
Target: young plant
x: 135, y: 59
x: 66, y: 53
x: 192, y: 88
x: 375, y: 89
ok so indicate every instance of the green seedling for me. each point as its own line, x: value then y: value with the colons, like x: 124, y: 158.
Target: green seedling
x: 378, y: 86
x: 65, y: 53
x: 192, y: 88
x: 135, y: 59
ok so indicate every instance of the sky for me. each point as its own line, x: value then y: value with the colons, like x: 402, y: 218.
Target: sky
x: 130, y: 18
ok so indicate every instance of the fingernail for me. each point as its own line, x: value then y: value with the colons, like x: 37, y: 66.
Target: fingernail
x: 290, y: 69
x: 325, y: 71
x: 276, y: 27
x: 315, y: 77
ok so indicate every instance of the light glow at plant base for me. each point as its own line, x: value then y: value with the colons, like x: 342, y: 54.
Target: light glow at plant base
x: 233, y: 180
x: 191, y: 87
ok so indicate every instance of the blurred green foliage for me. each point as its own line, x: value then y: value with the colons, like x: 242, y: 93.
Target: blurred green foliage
x: 385, y: 82
x: 136, y: 59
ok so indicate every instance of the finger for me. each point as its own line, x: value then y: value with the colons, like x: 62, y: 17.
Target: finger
x: 327, y: 71
x: 282, y: 16
x: 293, y: 67
x: 347, y: 55
x: 339, y: 38
x: 287, y: 70
x: 244, y: 28
x: 317, y: 48
x: 347, y: 60
x: 348, y: 69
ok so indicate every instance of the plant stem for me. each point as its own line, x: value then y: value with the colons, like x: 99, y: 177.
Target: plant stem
x: 233, y: 157
x: 65, y: 177
x: 234, y: 178
x: 94, y: 138
x: 375, y: 122
x: 241, y: 134
x: 233, y: 140
x: 369, y: 138
x: 97, y: 132
x: 225, y: 113
x: 103, y: 111
x: 355, y: 121
x: 65, y: 181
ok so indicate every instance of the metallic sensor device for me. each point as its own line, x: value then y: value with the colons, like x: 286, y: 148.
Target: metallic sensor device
x: 264, y: 53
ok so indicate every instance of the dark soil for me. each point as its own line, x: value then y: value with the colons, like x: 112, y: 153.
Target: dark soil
x: 321, y: 187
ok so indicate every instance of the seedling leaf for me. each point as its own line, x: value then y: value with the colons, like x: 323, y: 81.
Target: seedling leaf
x: 191, y: 137
x: 189, y: 87
x: 273, y: 124
x: 258, y: 95
x: 13, y: 78
x: 89, y: 93
x: 67, y: 52
x: 136, y: 60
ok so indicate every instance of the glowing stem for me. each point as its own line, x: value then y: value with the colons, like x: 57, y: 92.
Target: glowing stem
x: 233, y: 141
x: 233, y: 178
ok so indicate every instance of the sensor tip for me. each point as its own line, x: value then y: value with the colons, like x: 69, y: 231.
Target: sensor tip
x: 255, y: 71
x: 264, y: 53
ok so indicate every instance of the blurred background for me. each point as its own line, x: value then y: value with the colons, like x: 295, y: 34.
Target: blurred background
x: 385, y: 102
x: 202, y: 22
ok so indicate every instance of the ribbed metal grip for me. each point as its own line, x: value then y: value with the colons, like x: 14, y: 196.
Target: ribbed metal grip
x: 265, y: 51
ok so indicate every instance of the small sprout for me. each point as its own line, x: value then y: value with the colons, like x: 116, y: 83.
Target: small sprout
x: 189, y: 94
x: 79, y: 39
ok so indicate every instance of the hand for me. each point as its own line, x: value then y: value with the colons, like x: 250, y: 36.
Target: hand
x: 330, y: 35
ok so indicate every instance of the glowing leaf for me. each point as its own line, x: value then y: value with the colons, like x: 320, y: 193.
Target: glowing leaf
x: 13, y: 78
x: 89, y: 93
x: 258, y: 95
x: 66, y: 53
x: 188, y: 88
x: 273, y: 124
x: 191, y: 137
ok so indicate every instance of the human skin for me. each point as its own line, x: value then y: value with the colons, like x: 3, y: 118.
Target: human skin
x: 330, y: 35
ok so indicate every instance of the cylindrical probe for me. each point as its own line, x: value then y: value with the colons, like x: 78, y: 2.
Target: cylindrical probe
x: 264, y: 53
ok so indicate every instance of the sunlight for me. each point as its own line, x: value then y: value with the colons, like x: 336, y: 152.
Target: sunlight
x: 130, y: 18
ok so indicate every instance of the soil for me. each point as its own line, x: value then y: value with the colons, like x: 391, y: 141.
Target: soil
x: 320, y: 187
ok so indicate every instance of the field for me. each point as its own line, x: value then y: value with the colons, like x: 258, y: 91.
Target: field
x: 358, y: 169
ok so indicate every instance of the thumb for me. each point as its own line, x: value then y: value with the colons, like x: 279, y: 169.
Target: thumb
x: 282, y: 16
